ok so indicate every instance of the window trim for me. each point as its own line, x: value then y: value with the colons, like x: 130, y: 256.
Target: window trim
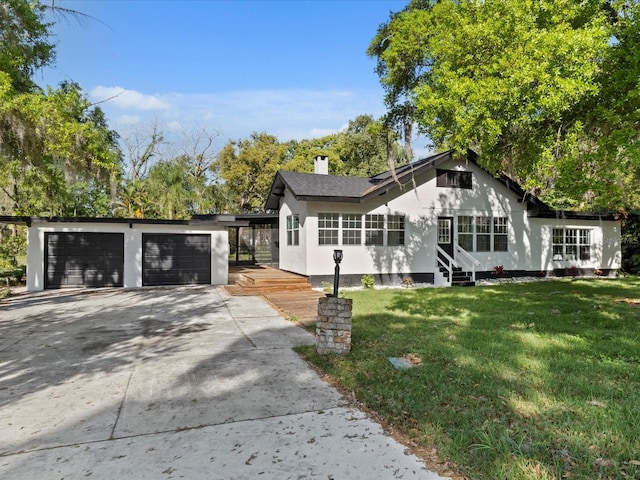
x: 293, y: 230
x: 486, y: 229
x: 374, y: 233
x: 396, y: 226
x: 454, y: 179
x: 351, y: 227
x: 571, y: 244
x: 332, y: 230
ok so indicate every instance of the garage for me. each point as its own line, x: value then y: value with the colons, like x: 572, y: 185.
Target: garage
x: 83, y: 260
x: 176, y: 259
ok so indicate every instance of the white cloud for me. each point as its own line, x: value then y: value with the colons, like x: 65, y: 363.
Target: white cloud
x: 287, y: 114
x: 125, y: 99
x: 128, y: 119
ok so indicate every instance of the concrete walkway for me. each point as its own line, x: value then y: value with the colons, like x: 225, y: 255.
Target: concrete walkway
x: 174, y: 383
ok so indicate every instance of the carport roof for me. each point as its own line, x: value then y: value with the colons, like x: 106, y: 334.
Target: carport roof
x: 219, y: 219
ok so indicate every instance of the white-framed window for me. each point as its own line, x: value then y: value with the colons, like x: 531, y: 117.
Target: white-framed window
x: 465, y: 232
x: 444, y: 230
x: 500, y: 234
x: 374, y: 229
x: 571, y: 244
x: 483, y: 233
x: 395, y: 230
x: 328, y: 226
x: 293, y: 229
x: 351, y: 229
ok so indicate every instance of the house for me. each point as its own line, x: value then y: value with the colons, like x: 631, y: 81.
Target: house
x: 440, y: 220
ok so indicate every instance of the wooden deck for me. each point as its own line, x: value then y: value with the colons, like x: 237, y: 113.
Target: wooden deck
x: 290, y: 293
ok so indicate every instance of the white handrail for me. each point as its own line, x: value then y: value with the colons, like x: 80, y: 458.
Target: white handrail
x: 448, y: 265
x: 468, y: 257
x: 447, y: 256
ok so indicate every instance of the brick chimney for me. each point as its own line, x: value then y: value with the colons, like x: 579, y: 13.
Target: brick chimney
x: 321, y: 165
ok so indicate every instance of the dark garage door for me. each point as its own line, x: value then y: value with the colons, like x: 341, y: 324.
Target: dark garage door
x: 176, y: 259
x: 84, y: 260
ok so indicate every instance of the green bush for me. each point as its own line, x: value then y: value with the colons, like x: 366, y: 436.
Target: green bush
x: 368, y: 281
x: 13, y: 274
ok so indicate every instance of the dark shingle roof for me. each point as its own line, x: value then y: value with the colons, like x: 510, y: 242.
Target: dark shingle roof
x: 311, y: 186
x: 334, y: 188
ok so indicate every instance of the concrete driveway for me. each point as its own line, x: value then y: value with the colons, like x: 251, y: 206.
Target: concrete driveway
x: 174, y: 383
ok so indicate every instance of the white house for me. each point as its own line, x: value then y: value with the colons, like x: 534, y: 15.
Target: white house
x: 439, y: 220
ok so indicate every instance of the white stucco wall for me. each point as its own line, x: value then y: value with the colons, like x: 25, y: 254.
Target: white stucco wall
x: 529, y: 239
x: 132, y: 247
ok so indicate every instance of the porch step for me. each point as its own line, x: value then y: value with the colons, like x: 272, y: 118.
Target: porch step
x: 276, y: 285
x: 459, y: 278
x: 463, y: 284
x: 261, y: 280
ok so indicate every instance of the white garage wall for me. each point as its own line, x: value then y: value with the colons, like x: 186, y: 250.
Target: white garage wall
x: 132, y: 247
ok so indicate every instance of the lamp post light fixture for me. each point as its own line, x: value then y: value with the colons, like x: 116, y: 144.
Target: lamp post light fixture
x: 337, y: 257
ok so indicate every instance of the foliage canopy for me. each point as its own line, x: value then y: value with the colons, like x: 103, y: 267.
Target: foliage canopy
x: 545, y: 91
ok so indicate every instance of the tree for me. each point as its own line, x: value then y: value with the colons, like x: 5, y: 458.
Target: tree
x: 24, y: 42
x: 248, y: 167
x: 517, y: 81
x: 54, y: 146
x: 141, y: 145
x: 364, y: 147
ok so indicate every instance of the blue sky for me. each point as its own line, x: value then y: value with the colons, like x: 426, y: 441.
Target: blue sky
x: 294, y: 69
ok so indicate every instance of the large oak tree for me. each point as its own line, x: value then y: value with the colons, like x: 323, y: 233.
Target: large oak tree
x: 546, y: 90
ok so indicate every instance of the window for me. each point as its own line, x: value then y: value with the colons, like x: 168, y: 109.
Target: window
x: 328, y: 228
x: 293, y: 230
x: 500, y: 234
x: 483, y: 234
x: 444, y: 230
x: 558, y: 244
x: 585, y: 245
x: 453, y: 179
x: 571, y: 244
x: 465, y: 232
x: 374, y: 229
x: 351, y: 229
x: 395, y: 230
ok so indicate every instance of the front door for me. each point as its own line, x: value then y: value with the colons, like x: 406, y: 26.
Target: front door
x: 445, y: 234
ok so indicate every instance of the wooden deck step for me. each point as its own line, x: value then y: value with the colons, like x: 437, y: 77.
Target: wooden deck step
x: 257, y: 280
x: 259, y: 288
x: 290, y: 280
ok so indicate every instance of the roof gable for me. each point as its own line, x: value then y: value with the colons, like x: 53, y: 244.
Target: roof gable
x: 335, y: 188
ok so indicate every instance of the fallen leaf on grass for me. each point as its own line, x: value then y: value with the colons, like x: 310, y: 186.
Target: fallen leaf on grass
x: 634, y: 302
x: 603, y: 462
x: 596, y: 403
x: 413, y: 359
x: 633, y: 462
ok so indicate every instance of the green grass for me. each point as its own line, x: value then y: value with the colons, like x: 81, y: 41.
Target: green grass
x: 518, y: 381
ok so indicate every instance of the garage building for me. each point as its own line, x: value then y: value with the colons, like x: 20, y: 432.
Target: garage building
x: 129, y: 253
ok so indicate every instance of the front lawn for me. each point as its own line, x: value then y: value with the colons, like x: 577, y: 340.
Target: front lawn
x: 518, y: 381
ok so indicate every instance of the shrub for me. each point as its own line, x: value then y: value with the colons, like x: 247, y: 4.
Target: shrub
x: 368, y: 281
